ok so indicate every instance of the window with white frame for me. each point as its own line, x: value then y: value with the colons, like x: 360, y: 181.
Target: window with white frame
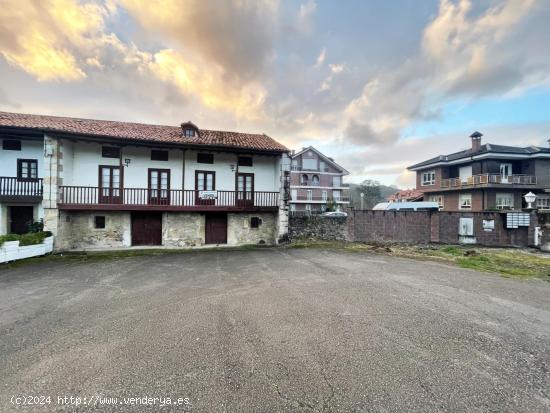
x: 336, y: 195
x: 504, y: 201
x: 465, y: 201
x: 437, y: 198
x: 337, y: 181
x: 309, y: 163
x: 308, y: 208
x: 292, y: 207
x: 309, y: 194
x: 543, y: 201
x: 428, y: 178
x: 324, y: 195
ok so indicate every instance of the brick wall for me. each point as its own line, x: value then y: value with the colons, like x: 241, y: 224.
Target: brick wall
x: 424, y: 227
x: 391, y: 226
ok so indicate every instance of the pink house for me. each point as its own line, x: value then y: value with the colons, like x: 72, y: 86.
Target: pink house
x: 316, y: 181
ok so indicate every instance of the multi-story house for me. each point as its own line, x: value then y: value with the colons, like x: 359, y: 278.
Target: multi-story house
x: 486, y: 177
x: 102, y: 184
x: 316, y: 181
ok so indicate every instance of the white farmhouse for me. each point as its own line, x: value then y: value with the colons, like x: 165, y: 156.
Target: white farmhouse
x: 105, y: 184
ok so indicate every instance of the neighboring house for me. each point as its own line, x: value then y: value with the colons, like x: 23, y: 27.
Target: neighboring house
x: 117, y: 184
x: 316, y: 181
x: 486, y: 177
x: 407, y: 195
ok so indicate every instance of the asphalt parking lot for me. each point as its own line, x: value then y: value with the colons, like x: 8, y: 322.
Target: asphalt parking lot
x: 274, y: 330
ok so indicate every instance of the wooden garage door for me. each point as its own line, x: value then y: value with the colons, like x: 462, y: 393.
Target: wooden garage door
x: 146, y: 228
x: 216, y: 229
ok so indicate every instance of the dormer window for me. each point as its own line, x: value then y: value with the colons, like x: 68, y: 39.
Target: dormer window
x: 189, y: 130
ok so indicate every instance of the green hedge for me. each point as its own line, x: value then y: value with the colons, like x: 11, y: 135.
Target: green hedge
x: 31, y: 238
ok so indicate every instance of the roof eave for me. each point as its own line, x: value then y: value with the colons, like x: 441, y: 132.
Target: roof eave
x: 139, y: 142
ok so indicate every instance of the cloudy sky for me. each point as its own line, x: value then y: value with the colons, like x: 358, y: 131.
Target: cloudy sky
x: 377, y: 85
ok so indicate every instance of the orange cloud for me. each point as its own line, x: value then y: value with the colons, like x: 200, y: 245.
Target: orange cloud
x: 41, y: 37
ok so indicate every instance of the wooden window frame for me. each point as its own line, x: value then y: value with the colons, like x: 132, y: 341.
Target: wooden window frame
x: 114, y: 199
x: 199, y: 201
x: 11, y: 141
x: 20, y: 169
x: 241, y: 161
x: 244, y: 201
x: 105, y: 148
x: 157, y: 152
x: 159, y: 200
x: 205, y: 154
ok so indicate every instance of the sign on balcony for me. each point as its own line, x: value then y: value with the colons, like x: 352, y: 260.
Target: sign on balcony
x: 208, y: 194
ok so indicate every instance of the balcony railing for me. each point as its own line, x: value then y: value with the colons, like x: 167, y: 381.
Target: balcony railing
x: 83, y: 197
x: 489, y: 179
x: 305, y: 198
x: 20, y: 187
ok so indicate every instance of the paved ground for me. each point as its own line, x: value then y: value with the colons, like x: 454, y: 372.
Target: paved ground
x: 276, y: 330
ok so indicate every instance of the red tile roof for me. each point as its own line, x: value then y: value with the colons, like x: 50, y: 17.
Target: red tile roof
x: 139, y: 132
x: 406, y: 195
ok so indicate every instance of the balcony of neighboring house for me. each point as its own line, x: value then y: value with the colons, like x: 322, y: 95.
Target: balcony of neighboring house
x: 148, y: 199
x: 308, y: 199
x: 489, y: 180
x: 14, y: 189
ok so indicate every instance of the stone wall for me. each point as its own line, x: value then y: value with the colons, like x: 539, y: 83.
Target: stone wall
x: 182, y: 229
x: 239, y: 231
x: 76, y: 230
x: 318, y: 227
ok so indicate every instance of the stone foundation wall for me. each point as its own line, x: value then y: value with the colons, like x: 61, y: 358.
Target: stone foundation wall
x: 318, y: 228
x: 76, y: 230
x: 182, y: 229
x: 239, y: 231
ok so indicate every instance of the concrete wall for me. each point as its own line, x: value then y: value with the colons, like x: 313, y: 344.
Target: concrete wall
x: 30, y: 149
x: 239, y: 231
x: 83, y: 159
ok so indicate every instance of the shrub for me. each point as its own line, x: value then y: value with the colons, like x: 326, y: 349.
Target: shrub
x: 31, y: 238
x: 8, y: 237
x: 37, y: 226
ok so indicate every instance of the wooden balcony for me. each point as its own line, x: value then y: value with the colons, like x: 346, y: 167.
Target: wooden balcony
x: 489, y: 180
x: 143, y: 199
x: 14, y: 189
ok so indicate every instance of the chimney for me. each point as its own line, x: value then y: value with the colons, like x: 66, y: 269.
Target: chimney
x: 476, y: 141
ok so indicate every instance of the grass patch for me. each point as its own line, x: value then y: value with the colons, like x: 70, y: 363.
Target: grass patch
x: 507, y: 262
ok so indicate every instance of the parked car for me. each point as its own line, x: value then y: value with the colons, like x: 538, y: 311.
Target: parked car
x: 335, y: 214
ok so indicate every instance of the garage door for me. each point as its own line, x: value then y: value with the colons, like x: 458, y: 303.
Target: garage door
x: 216, y: 228
x: 146, y: 228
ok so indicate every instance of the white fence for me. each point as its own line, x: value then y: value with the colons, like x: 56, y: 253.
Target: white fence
x: 11, y: 251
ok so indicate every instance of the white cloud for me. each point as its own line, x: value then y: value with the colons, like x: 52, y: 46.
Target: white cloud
x: 307, y: 9
x: 321, y: 58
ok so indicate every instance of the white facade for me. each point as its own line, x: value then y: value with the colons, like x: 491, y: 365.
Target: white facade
x: 82, y: 160
x: 65, y: 165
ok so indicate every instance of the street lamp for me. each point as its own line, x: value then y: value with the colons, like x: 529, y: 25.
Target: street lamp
x: 529, y: 198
